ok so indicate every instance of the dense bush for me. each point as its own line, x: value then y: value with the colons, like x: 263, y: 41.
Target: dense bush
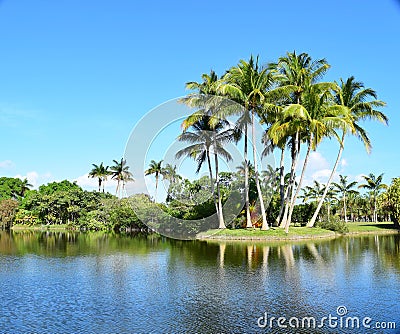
x: 333, y: 224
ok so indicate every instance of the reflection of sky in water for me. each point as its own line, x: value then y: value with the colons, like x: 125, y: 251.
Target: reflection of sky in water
x: 116, y: 284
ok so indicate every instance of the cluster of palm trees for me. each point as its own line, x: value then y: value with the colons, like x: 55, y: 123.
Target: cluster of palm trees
x: 296, y: 109
x: 343, y: 192
x: 119, y: 172
x: 168, y: 173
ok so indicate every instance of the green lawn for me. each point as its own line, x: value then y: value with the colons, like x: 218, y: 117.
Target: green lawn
x: 55, y: 227
x: 370, y: 227
x: 294, y: 232
x: 273, y: 233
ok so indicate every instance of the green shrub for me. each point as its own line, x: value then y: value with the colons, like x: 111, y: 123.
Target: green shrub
x: 334, y: 224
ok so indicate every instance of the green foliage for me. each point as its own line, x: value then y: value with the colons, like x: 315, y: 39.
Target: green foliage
x: 393, y: 199
x: 10, y: 187
x: 333, y: 224
x: 302, y: 213
x: 8, y: 208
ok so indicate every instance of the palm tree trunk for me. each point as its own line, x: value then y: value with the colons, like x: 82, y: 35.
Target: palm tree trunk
x: 220, y: 213
x: 283, y: 208
x: 264, y: 225
x: 281, y: 186
x: 155, y: 195
x: 292, y: 204
x: 314, y: 217
x: 99, y: 184
x: 344, y: 207
x: 116, y: 190
x: 246, y: 181
x: 292, y: 179
x: 212, y: 182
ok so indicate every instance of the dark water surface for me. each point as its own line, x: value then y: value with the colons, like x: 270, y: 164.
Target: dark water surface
x: 96, y: 283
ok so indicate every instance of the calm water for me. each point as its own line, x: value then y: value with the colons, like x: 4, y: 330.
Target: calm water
x: 89, y: 283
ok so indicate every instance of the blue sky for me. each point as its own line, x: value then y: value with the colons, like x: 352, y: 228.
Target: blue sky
x: 77, y: 75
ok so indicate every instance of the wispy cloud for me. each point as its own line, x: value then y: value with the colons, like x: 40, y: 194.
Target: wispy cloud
x: 6, y: 164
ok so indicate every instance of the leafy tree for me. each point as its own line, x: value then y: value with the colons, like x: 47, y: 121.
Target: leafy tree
x: 8, y: 208
x: 12, y: 187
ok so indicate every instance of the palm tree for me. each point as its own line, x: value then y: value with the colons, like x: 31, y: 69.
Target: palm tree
x: 172, y: 176
x: 120, y: 172
x: 352, y: 95
x: 208, y: 101
x: 100, y: 172
x: 307, y: 118
x: 156, y: 169
x: 208, y: 138
x: 25, y: 186
x: 345, y: 188
x: 127, y: 176
x: 374, y: 185
x: 250, y: 86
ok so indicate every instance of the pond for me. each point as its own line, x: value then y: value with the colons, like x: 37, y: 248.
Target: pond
x: 99, y: 283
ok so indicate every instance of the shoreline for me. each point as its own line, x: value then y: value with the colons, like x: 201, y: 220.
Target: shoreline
x: 269, y: 238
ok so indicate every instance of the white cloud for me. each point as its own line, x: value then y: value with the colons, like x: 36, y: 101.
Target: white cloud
x: 359, y: 178
x: 317, y: 162
x: 343, y: 162
x: 36, y: 179
x: 6, y: 164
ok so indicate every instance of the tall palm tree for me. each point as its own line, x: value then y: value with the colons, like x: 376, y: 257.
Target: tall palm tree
x: 306, y: 118
x: 250, y: 86
x: 120, y: 172
x: 352, y: 95
x: 375, y: 186
x: 206, y: 139
x: 208, y: 101
x: 172, y: 176
x: 100, y: 172
x: 127, y: 176
x: 345, y: 188
x: 156, y: 169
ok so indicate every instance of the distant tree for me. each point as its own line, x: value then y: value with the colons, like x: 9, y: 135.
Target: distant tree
x: 156, y: 169
x: 393, y: 196
x: 100, y: 172
x: 120, y: 172
x: 375, y: 186
x: 345, y: 188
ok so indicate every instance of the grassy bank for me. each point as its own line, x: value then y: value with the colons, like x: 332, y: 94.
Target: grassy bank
x: 296, y: 233
x: 381, y: 227
x: 55, y: 227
